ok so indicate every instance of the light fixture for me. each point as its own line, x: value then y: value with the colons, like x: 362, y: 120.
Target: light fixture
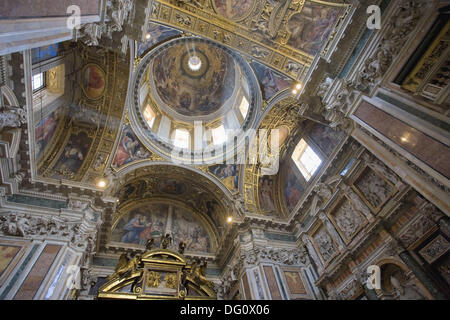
x: 294, y: 92
x: 298, y: 86
x: 101, y: 183
x: 194, y: 63
x: 230, y: 219
x: 148, y: 36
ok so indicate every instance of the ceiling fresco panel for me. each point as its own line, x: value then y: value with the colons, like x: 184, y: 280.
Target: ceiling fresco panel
x: 130, y: 149
x: 45, y: 131
x: 326, y: 138
x: 235, y: 10
x: 157, y: 34
x: 311, y: 28
x: 271, y: 81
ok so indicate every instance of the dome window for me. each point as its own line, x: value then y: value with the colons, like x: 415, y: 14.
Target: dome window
x: 181, y: 139
x: 218, y: 135
x: 149, y: 115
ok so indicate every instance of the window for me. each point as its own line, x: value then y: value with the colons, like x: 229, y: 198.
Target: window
x: 181, y: 139
x: 149, y: 115
x: 306, y: 159
x: 244, y: 107
x: 38, y: 81
x: 218, y: 135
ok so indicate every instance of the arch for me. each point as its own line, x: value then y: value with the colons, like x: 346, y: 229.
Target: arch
x: 124, y: 171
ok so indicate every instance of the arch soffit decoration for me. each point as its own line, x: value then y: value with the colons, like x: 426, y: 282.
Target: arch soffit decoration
x: 108, y: 105
x: 262, y: 32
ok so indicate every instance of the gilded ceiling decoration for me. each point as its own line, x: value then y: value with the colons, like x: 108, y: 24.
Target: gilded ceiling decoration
x: 183, y: 184
x: 260, y: 189
x: 286, y: 35
x: 281, y: 192
x: 84, y: 139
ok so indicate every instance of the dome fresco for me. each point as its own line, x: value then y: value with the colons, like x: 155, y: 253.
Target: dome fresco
x: 194, y: 93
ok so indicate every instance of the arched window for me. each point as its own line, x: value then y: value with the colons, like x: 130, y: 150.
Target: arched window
x: 182, y: 138
x: 149, y: 115
x: 306, y: 159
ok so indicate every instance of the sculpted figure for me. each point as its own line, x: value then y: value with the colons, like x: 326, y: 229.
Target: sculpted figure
x: 125, y: 265
x: 149, y: 244
x: 12, y: 117
x: 166, y: 241
x: 181, y: 247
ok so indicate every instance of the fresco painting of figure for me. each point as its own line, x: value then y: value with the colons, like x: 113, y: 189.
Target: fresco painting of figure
x: 271, y: 82
x: 227, y: 173
x: 186, y: 228
x: 311, y: 28
x: 326, y: 138
x: 266, y: 193
x: 151, y: 221
x: 233, y: 9
x: 73, y: 155
x: 294, y: 185
x: 94, y: 81
x: 129, y: 149
x: 157, y: 33
x: 44, y: 130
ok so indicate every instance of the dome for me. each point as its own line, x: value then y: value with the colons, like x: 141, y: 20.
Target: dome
x: 192, y: 94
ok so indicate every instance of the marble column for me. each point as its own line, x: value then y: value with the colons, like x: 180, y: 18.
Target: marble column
x: 422, y: 276
x: 333, y: 232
